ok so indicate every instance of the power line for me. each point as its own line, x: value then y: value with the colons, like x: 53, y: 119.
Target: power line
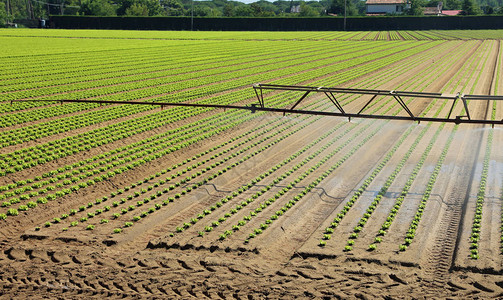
x: 53, y: 4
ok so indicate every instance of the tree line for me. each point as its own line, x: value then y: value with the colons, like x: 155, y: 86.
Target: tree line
x: 41, y: 9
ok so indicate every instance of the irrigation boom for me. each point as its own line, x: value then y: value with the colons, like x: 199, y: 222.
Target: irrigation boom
x: 332, y: 94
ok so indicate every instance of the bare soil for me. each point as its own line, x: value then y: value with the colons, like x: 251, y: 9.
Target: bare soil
x: 156, y: 258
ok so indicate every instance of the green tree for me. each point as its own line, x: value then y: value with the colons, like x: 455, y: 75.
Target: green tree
x: 204, y: 11
x: 268, y: 8
x: 3, y: 15
x: 71, y: 7
x: 307, y: 11
x: 243, y: 11
x: 173, y: 7
x: 98, y: 8
x: 256, y: 10
x: 470, y: 8
x: 452, y: 4
x: 137, y: 9
x: 416, y: 7
x: 337, y: 7
x: 488, y: 10
x: 228, y: 10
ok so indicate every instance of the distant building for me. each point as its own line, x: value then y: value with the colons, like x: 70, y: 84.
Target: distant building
x: 438, y: 11
x: 295, y: 9
x: 432, y: 11
x: 382, y: 7
x: 451, y: 12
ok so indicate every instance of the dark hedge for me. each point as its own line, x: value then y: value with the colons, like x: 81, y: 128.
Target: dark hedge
x: 278, y: 24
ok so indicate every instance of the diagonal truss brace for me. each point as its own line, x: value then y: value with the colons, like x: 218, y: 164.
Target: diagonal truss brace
x: 397, y: 95
x: 332, y: 98
x: 367, y: 104
x: 300, y: 100
x: 403, y: 104
x: 466, y: 106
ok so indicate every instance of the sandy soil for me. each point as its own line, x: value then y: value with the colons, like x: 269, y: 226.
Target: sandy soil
x: 168, y: 251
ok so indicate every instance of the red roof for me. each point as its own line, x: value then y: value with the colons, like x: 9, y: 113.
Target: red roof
x: 373, y: 2
x: 451, y: 12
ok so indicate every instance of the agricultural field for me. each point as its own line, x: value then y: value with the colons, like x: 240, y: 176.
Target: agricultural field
x: 134, y: 201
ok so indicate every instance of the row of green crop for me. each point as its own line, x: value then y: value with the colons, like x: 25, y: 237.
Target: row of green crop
x: 132, y: 54
x: 187, y: 224
x: 41, y: 154
x: 481, y: 194
x: 411, y: 231
x: 91, y: 173
x: 154, y: 66
x: 185, y: 74
x: 36, y: 131
x: 382, y: 192
x: 497, y: 89
x: 398, y: 201
x: 287, y: 130
x: 66, y: 66
x: 194, y: 220
x: 477, y: 219
x: 191, y: 64
x: 19, y: 159
x: 336, y: 221
x: 426, y: 195
x: 129, y: 156
x: 357, y: 194
x: 242, y: 222
x: 83, y: 169
x: 111, y: 131
x: 107, y: 165
x: 289, y: 204
x: 179, y: 72
x: 235, y: 226
x: 136, y: 37
x: 175, y: 80
x: 283, y: 176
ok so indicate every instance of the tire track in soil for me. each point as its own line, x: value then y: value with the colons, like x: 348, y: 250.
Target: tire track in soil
x: 436, y: 87
x: 487, y: 89
x: 442, y: 255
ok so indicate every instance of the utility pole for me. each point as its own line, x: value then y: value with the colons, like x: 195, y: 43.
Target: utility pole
x: 345, y: 15
x: 8, y: 9
x: 28, y: 15
x: 192, y: 15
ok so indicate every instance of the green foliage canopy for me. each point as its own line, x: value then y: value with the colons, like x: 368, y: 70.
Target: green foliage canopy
x: 470, y: 8
x: 3, y: 14
x: 98, y: 8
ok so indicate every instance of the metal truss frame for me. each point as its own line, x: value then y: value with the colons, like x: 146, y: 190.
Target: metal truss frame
x: 331, y: 94
x: 397, y: 95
